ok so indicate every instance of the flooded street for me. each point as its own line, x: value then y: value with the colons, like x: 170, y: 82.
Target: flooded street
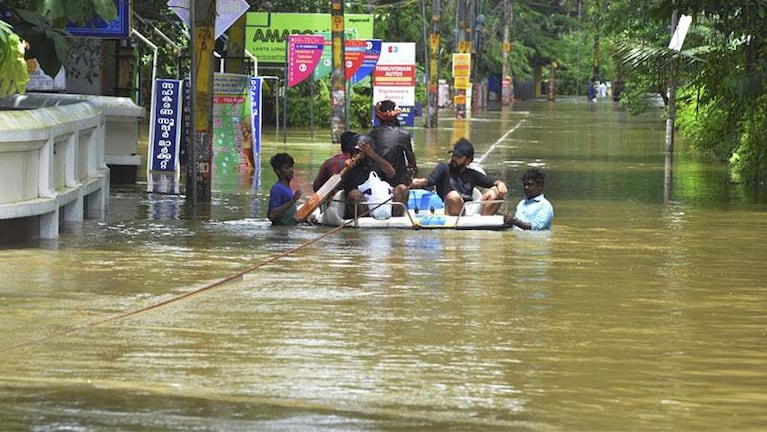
x: 643, y: 309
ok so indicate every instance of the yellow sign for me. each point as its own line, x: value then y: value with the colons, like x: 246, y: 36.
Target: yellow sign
x: 461, y: 83
x: 461, y: 64
x: 506, y: 47
x: 459, y: 99
x: 434, y: 40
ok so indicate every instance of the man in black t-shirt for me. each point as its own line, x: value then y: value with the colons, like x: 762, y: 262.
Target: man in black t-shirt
x: 455, y: 182
x: 359, y: 172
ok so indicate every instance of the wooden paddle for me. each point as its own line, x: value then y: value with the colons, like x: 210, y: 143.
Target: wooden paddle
x: 324, y: 192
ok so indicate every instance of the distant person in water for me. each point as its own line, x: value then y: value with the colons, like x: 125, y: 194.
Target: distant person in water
x: 282, y: 199
x: 455, y: 183
x: 534, y: 212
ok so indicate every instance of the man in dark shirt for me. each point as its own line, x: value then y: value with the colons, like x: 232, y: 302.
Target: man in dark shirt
x: 396, y: 146
x: 359, y: 172
x: 455, y: 182
x: 335, y: 164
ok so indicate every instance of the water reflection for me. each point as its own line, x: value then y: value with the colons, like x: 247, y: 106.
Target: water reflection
x: 641, y: 310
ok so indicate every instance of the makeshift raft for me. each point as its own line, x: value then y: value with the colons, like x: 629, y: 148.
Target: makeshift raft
x: 425, y: 210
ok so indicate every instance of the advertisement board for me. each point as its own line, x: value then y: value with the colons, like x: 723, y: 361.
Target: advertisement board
x: 165, y: 126
x: 266, y: 33
x: 394, y: 78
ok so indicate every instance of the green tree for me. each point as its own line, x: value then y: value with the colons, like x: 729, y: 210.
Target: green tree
x: 723, y: 73
x: 41, y: 23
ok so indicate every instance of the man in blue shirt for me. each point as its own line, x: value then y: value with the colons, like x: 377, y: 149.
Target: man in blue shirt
x: 534, y: 212
x: 282, y: 199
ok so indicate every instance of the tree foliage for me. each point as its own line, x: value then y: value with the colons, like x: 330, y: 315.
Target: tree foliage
x: 41, y: 24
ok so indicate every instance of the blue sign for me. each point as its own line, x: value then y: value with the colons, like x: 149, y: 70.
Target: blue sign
x: 255, y: 112
x: 165, y: 125
x: 96, y: 27
x: 372, y: 53
x: 406, y: 117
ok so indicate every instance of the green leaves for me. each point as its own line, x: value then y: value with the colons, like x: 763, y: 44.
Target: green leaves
x: 42, y: 24
x: 13, y: 68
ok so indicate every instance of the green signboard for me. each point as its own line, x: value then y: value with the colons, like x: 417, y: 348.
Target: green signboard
x: 266, y: 33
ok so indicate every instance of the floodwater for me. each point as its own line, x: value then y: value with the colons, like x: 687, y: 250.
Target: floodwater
x: 644, y: 308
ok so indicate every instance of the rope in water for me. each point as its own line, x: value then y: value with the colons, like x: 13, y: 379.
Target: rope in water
x: 192, y: 293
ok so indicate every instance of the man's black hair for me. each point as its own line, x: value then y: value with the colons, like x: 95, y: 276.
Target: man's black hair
x: 281, y: 159
x: 535, y: 175
x: 348, y: 141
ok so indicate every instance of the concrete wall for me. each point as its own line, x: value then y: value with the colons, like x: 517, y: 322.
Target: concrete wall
x: 121, y: 115
x: 52, y: 166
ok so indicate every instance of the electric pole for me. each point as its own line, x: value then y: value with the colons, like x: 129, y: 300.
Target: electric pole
x: 338, y: 76
x: 507, y: 81
x: 460, y: 46
x: 433, y: 106
x: 203, y: 13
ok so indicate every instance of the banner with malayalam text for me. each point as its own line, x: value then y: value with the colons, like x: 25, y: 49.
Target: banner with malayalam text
x: 165, y: 125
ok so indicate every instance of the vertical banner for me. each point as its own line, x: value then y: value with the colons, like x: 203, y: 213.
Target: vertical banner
x: 372, y: 54
x: 325, y: 65
x: 304, y: 53
x: 165, y: 126
x: 255, y: 113
x: 229, y: 92
x: 354, y: 55
x: 394, y: 78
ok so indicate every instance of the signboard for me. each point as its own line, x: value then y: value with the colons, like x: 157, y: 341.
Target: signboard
x: 394, y: 77
x: 256, y: 84
x: 40, y: 81
x: 354, y: 55
x: 372, y: 54
x: 326, y: 61
x: 165, y: 125
x: 677, y: 39
x: 304, y: 53
x: 266, y: 33
x: 229, y: 92
x: 461, y: 65
x: 96, y: 27
x: 227, y: 12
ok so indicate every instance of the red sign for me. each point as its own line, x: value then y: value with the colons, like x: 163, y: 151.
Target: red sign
x: 304, y: 52
x: 394, y: 75
x: 354, y: 55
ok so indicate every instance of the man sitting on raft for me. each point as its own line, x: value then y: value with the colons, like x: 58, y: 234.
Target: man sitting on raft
x: 455, y: 183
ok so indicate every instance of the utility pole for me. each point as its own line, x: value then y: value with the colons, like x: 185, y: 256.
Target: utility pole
x: 203, y: 13
x: 671, y: 109
x: 460, y: 46
x: 470, y: 23
x: 597, y: 20
x: 338, y: 76
x: 433, y: 105
x: 507, y: 87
